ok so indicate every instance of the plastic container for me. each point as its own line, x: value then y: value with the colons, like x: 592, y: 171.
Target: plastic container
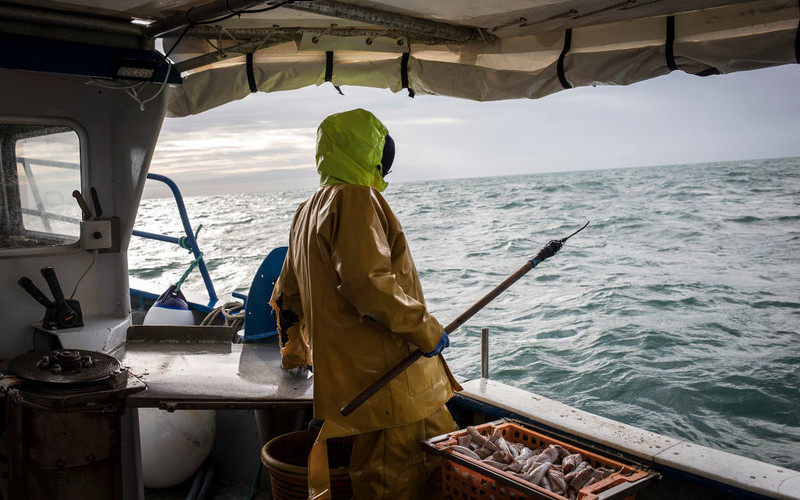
x: 286, y: 458
x: 469, y: 479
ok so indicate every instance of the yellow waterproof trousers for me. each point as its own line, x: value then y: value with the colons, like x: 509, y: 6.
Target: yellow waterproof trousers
x: 390, y: 463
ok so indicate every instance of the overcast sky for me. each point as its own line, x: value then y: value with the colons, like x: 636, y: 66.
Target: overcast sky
x: 266, y: 141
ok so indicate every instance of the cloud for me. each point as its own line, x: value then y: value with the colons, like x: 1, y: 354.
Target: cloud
x: 269, y: 139
x: 428, y: 122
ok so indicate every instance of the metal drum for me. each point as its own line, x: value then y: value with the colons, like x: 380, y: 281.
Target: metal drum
x: 64, y: 432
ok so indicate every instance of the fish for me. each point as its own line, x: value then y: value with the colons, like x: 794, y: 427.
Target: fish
x: 551, y: 466
x: 464, y: 451
x: 536, y: 475
x: 576, y: 471
x: 550, y: 454
x: 503, y: 445
x: 571, y: 462
x: 583, y: 477
x: 494, y: 463
x: 562, y: 452
x: 520, y: 460
x: 496, y: 434
x: 524, y: 454
x: 476, y: 436
x: 557, y: 482
x: 502, y: 457
x: 515, y: 466
x: 483, y: 441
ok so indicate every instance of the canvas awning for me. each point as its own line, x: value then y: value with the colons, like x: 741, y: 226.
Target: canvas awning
x: 472, y: 49
x: 499, y: 61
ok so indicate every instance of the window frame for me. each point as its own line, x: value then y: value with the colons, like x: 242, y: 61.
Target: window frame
x: 56, y: 247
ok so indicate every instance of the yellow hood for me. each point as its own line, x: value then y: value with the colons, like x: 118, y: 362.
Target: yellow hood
x: 349, y: 149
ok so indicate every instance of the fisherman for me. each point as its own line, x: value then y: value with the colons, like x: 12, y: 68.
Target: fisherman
x: 350, y: 289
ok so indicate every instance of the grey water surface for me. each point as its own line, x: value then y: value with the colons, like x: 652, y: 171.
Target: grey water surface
x: 677, y: 309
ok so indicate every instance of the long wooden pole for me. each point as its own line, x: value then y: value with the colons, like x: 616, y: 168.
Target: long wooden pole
x: 547, y: 251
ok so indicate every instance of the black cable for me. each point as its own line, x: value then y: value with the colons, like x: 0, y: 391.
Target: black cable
x: 209, y: 477
x: 185, y: 30
x: 223, y: 18
x: 797, y: 42
x: 265, y: 9
x: 196, y: 484
x: 250, y: 11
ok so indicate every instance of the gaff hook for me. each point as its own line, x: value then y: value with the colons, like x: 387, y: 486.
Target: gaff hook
x: 547, y: 251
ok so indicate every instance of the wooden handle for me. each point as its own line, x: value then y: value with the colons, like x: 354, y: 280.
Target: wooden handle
x: 411, y: 358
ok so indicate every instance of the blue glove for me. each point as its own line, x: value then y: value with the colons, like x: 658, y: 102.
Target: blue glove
x: 443, y: 342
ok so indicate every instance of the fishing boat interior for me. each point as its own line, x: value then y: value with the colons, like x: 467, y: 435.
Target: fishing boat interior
x: 104, y: 399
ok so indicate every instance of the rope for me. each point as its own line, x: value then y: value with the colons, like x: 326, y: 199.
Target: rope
x: 182, y: 243
x: 182, y: 240
x: 232, y: 312
x: 15, y: 397
x: 133, y: 92
x: 192, y: 265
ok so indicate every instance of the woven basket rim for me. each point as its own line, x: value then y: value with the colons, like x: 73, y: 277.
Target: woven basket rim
x: 273, y: 463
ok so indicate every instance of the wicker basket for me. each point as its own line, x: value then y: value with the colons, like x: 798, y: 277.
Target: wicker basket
x: 286, y: 458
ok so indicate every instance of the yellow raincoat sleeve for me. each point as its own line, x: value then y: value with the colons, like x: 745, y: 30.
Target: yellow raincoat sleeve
x: 293, y: 334
x: 362, y: 257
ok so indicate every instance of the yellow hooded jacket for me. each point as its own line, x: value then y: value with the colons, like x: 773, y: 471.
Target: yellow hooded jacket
x: 351, y: 284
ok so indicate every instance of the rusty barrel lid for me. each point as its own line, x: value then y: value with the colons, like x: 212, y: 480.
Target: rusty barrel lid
x: 68, y: 367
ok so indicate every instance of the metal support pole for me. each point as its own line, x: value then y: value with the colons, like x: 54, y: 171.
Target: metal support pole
x: 391, y: 20
x: 35, y: 17
x: 484, y: 353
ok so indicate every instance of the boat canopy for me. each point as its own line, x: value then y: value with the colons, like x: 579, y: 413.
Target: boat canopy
x: 473, y: 49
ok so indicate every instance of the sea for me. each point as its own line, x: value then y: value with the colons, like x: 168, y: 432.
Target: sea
x: 676, y: 310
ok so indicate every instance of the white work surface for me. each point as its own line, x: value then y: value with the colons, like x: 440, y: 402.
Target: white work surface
x: 195, y: 367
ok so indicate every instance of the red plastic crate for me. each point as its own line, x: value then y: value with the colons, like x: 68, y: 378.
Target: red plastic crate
x: 465, y: 478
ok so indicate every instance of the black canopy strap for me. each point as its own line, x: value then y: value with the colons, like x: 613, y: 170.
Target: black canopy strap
x: 404, y: 73
x: 251, y: 76
x: 562, y: 77
x: 669, y: 53
x: 708, y: 72
x: 797, y: 41
x: 329, y: 70
x: 670, y: 44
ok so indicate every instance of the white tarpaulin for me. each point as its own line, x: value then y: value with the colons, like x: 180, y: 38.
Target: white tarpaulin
x: 725, y: 39
x: 471, y: 49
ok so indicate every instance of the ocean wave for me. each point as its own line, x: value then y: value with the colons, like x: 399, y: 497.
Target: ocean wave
x: 746, y: 219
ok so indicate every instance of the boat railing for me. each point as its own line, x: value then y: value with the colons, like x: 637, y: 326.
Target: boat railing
x: 484, y: 353
x: 188, y: 241
x: 41, y: 210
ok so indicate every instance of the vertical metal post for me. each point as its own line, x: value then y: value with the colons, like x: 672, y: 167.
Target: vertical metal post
x: 484, y: 353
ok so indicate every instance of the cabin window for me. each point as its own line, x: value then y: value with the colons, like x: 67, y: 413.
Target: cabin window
x: 40, y: 167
